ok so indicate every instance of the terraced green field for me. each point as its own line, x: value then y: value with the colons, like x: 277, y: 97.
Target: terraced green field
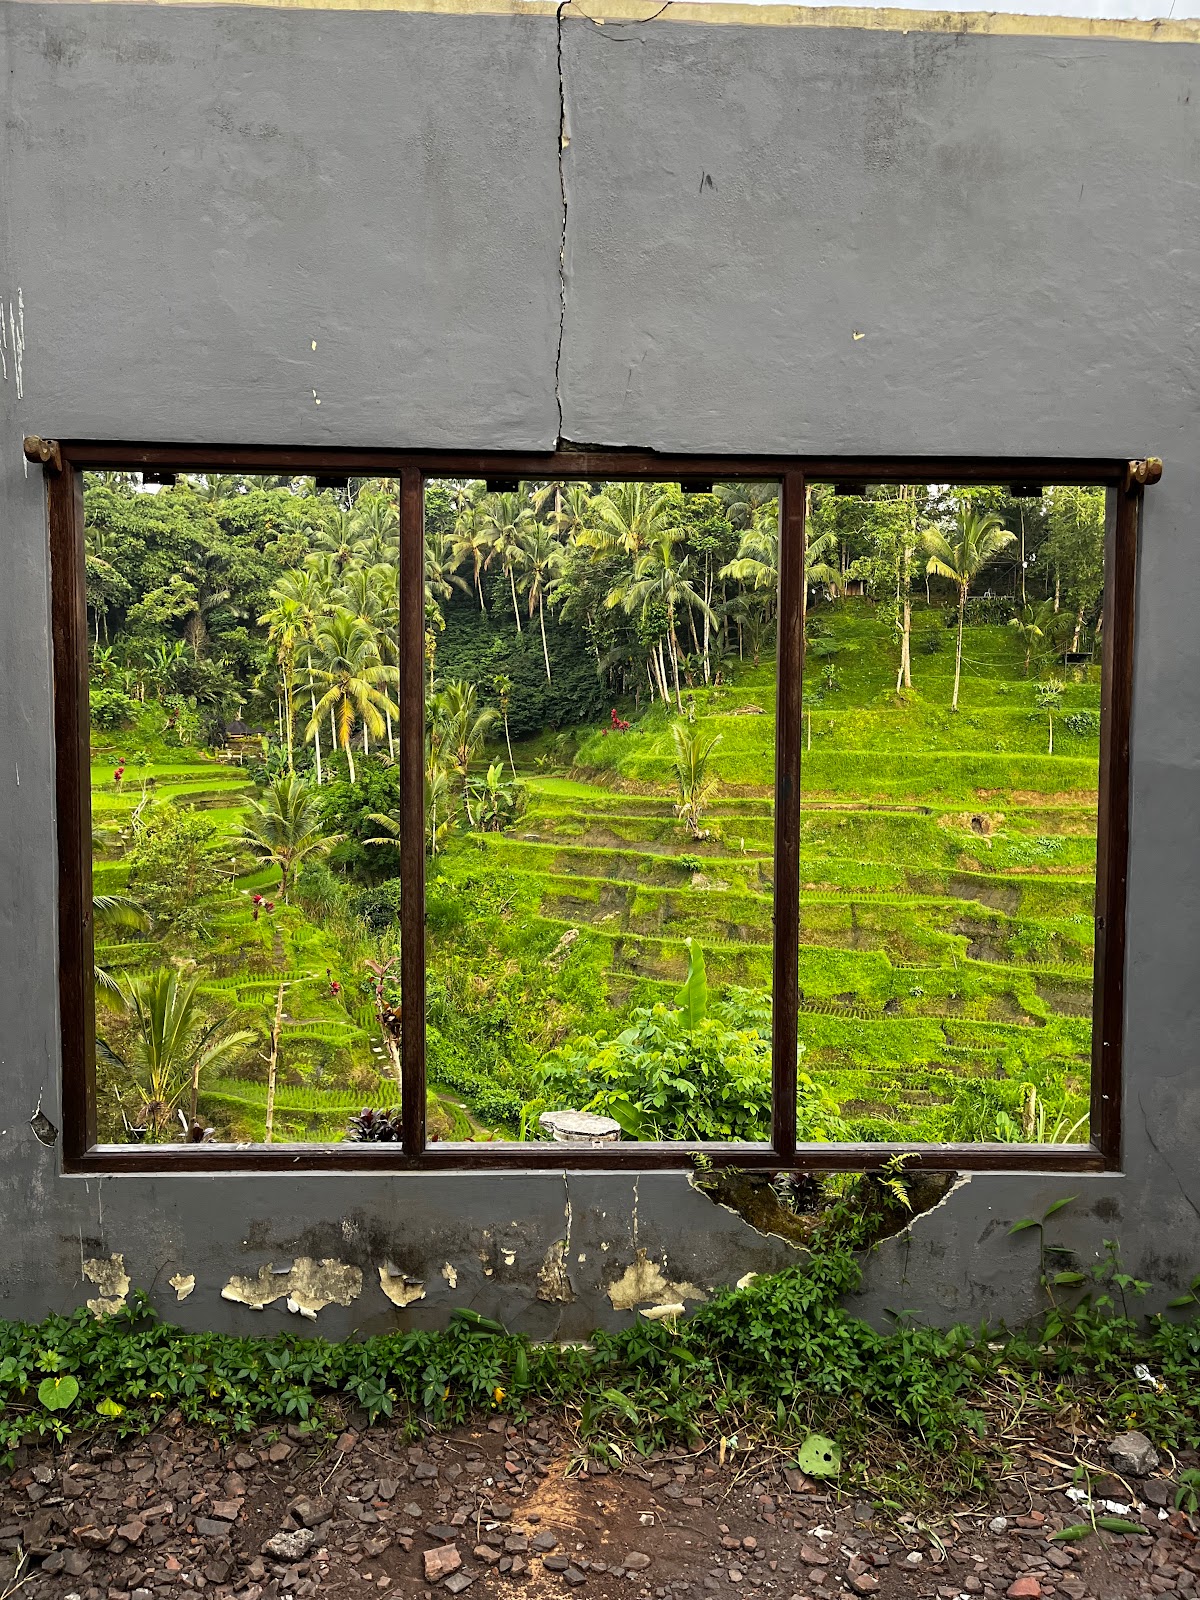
x: 947, y: 876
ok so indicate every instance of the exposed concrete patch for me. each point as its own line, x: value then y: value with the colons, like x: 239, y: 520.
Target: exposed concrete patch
x: 644, y: 1283
x: 451, y: 1275
x: 554, y: 1282
x: 112, y: 1281
x: 183, y: 1283
x: 400, y: 1289
x: 662, y: 1313
x: 309, y: 1286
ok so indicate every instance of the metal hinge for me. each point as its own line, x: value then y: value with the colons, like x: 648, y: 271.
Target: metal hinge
x: 44, y: 450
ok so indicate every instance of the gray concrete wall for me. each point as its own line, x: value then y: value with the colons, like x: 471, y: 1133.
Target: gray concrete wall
x: 191, y: 197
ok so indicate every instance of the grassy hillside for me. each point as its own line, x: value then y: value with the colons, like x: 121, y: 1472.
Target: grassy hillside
x: 947, y: 877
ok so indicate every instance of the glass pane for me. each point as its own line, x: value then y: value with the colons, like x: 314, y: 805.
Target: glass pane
x: 600, y: 750
x: 243, y: 719
x: 949, y: 806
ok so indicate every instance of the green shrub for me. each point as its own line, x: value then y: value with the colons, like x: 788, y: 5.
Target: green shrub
x: 112, y: 708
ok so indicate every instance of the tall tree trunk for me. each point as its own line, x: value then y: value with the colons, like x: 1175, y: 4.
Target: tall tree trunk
x: 512, y: 764
x: 272, y: 1066
x: 391, y: 742
x: 673, y: 651
x: 289, y: 692
x: 962, y: 606
x: 542, y: 622
x: 512, y: 583
x: 316, y: 733
x: 1078, y: 629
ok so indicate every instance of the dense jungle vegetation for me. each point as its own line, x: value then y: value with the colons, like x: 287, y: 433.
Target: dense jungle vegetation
x: 600, y: 760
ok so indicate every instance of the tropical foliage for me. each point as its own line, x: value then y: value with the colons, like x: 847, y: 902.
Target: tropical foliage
x: 598, y: 780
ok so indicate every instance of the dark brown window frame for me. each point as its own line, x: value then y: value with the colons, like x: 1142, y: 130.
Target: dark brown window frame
x: 65, y: 463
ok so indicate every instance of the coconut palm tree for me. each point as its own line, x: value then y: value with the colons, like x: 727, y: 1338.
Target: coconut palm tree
x: 1035, y: 626
x: 311, y: 596
x: 284, y: 828
x: 503, y: 685
x: 541, y: 561
x: 509, y: 520
x: 978, y: 537
x: 693, y: 750
x: 660, y: 579
x: 472, y: 540
x: 756, y: 565
x: 464, y: 724
x: 348, y: 666
x: 173, y: 1044
x: 286, y: 628
x: 629, y: 517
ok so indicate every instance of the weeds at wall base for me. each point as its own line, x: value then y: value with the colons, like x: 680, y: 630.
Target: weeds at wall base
x: 919, y: 1414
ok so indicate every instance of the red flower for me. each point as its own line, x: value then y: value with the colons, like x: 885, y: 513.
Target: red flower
x: 258, y: 899
x: 270, y: 905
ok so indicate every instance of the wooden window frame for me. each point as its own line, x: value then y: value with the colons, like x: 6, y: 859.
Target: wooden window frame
x: 65, y: 463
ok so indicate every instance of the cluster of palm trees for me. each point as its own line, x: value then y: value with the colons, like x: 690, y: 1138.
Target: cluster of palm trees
x: 621, y: 551
x: 331, y: 628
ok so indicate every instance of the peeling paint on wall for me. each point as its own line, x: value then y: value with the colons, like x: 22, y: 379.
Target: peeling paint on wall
x: 112, y: 1281
x: 644, y: 1283
x: 309, y: 1286
x: 183, y: 1283
x: 451, y: 1275
x: 400, y: 1289
x: 554, y: 1282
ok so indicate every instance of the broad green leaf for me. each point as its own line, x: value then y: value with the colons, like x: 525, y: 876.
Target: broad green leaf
x: 1057, y: 1206
x: 1119, y: 1525
x: 110, y: 1408
x: 1079, y: 1530
x: 692, y: 999
x: 1025, y: 1222
x: 56, y: 1394
x: 1063, y: 1279
x: 819, y: 1457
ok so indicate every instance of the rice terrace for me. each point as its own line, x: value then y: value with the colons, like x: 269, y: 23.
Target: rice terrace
x: 600, y: 755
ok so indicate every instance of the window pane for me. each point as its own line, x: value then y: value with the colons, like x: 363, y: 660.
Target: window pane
x: 949, y: 805
x: 243, y: 719
x: 600, y: 749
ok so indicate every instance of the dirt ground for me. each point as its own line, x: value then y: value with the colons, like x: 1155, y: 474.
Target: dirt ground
x: 514, y: 1512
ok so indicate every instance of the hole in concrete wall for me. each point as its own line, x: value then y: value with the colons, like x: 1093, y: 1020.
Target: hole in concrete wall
x: 792, y: 1206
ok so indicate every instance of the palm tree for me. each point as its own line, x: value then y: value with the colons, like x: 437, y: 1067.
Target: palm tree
x: 1035, y: 626
x: 472, y: 538
x: 376, y: 523
x: 541, y: 560
x: 509, y: 520
x: 463, y: 727
x: 661, y: 580
x: 113, y: 911
x: 756, y: 564
x: 978, y: 537
x: 339, y: 537
x: 351, y: 671
x: 503, y: 685
x: 284, y: 828
x: 312, y: 598
x: 692, y: 754
x: 285, y: 625
x: 173, y: 1043
x: 629, y: 517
